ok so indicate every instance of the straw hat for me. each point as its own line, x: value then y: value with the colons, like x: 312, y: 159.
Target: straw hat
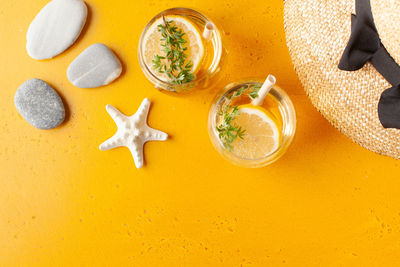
x: 317, y: 33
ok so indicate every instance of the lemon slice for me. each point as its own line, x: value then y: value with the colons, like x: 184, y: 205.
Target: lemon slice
x: 152, y: 43
x: 262, y: 135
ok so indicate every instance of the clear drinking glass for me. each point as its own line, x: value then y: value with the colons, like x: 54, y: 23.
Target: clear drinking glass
x: 277, y: 102
x: 211, y: 63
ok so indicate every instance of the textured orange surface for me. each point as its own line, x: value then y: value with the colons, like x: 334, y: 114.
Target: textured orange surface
x: 63, y: 202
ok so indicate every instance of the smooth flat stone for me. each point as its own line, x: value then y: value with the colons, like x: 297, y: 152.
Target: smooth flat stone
x: 39, y: 104
x: 94, y: 67
x: 55, y: 28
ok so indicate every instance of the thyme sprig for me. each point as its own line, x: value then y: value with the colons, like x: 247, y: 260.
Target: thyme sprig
x: 251, y: 91
x: 172, y: 63
x: 228, y: 130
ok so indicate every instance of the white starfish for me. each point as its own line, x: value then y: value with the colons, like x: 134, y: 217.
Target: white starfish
x: 133, y: 131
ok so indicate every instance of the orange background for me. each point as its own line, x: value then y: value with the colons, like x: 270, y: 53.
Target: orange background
x: 63, y: 202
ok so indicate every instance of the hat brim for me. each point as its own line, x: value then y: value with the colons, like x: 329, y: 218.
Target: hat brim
x: 317, y: 31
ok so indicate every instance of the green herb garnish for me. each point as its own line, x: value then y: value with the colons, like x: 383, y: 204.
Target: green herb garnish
x: 173, y: 62
x: 228, y: 130
x: 251, y: 91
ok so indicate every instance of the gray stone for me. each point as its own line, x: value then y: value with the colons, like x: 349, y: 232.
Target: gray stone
x: 94, y: 67
x: 39, y: 104
x: 55, y: 28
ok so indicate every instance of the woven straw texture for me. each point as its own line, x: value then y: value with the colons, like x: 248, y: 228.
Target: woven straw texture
x: 317, y: 32
x: 387, y: 19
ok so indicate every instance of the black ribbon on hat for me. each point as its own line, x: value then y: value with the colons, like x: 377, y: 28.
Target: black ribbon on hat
x: 365, y: 45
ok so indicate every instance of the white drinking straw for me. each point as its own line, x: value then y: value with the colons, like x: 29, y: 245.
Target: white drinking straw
x: 264, y: 90
x: 208, y: 30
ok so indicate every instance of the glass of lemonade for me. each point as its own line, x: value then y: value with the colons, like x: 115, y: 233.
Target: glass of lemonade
x: 181, y: 49
x: 248, y: 135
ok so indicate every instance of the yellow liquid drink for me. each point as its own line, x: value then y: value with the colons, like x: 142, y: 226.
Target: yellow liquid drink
x: 251, y: 135
x: 176, y: 55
